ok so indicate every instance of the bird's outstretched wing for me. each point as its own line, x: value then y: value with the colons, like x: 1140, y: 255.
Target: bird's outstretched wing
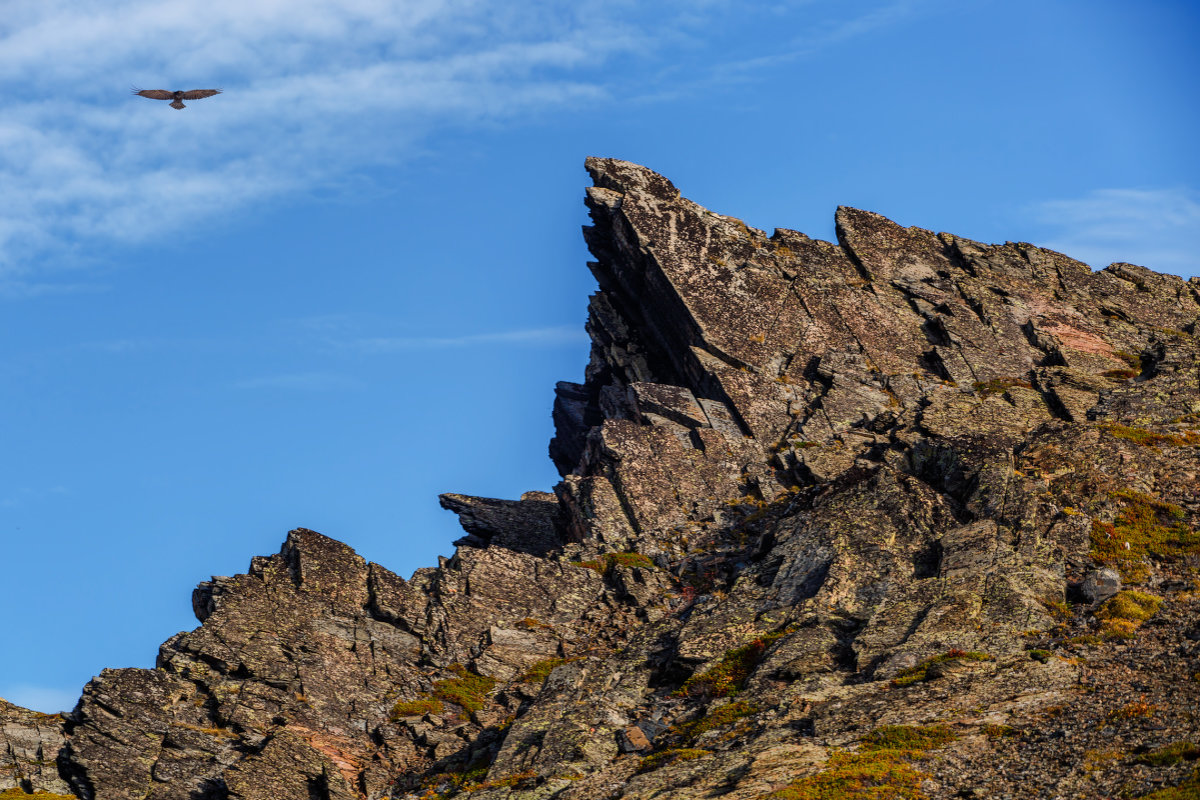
x: 155, y: 94
x: 196, y: 94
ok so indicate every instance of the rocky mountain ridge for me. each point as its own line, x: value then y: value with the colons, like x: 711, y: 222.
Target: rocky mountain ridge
x: 904, y: 515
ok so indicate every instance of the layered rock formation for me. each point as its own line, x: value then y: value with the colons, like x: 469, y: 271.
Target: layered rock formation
x: 29, y: 747
x: 906, y: 511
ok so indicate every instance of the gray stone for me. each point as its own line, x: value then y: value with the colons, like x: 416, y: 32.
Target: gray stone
x: 809, y: 489
x: 1101, y: 584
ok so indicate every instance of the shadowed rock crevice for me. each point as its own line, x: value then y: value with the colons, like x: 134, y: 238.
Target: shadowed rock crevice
x: 529, y: 525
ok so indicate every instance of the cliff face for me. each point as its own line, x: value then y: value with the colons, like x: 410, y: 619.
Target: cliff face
x: 907, y: 511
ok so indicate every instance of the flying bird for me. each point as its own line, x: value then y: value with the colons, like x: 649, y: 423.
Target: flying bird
x: 177, y: 96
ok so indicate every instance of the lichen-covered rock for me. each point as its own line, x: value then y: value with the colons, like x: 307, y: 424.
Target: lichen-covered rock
x: 292, y: 765
x: 29, y: 745
x: 815, y: 496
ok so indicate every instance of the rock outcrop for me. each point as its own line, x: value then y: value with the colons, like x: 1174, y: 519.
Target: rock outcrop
x: 29, y: 747
x: 907, y: 511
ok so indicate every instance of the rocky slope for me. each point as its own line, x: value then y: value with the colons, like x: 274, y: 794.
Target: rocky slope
x: 902, y: 516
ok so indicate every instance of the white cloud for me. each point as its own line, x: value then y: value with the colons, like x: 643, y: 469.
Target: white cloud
x: 315, y: 91
x: 828, y: 33
x: 1155, y: 228
x: 47, y: 699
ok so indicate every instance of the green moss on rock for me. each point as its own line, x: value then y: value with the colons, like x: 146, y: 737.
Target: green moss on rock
x: 670, y: 756
x: 1170, y: 754
x: 908, y: 737
x: 727, y: 677
x: 416, y: 708
x: 999, y: 731
x: 1130, y: 604
x: 1144, y: 527
x: 1188, y: 790
x: 1122, y: 613
x: 468, y: 691
x: 877, y: 775
x: 541, y: 670
x: 719, y: 718
x: 609, y: 561
x: 1149, y: 438
x: 920, y: 672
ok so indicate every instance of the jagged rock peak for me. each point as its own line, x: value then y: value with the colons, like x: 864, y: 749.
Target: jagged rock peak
x: 625, y: 176
x: 899, y: 493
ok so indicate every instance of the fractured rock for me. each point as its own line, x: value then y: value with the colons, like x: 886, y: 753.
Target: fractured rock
x: 810, y: 491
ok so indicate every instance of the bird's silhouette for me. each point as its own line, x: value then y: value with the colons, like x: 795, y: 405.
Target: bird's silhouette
x: 177, y: 96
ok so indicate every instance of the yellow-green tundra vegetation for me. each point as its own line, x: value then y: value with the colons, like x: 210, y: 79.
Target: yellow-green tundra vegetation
x: 541, y: 670
x: 920, y: 672
x: 1188, y: 790
x: 670, y: 756
x: 1144, y: 527
x: 1169, y: 754
x: 467, y: 690
x: 609, y: 561
x: 727, y: 677
x: 1122, y: 613
x: 718, y: 718
x: 1000, y: 385
x: 1148, y: 438
x: 882, y: 769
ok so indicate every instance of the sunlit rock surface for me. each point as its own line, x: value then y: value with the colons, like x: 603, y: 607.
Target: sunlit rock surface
x: 810, y: 491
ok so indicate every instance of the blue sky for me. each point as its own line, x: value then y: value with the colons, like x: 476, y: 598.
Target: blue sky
x: 350, y: 282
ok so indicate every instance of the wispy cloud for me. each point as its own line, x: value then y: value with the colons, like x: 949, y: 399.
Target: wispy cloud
x: 316, y: 91
x: 47, y: 699
x: 826, y: 33
x: 1156, y: 228
x: 534, y: 336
